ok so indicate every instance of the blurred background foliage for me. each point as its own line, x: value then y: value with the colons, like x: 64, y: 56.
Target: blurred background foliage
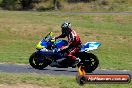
x: 67, y: 5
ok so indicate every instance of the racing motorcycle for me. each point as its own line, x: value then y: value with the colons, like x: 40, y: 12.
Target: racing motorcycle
x: 48, y: 53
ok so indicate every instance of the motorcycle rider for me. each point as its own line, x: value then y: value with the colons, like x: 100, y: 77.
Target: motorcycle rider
x: 74, y: 42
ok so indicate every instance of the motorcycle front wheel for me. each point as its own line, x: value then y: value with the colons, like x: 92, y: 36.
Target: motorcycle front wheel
x: 38, y: 61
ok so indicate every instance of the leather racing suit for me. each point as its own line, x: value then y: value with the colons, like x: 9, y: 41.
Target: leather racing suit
x: 74, y: 44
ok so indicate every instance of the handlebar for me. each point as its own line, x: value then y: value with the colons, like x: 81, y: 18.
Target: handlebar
x: 50, y: 37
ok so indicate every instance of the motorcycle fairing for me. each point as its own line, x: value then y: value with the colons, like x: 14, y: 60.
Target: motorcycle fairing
x: 50, y: 53
x: 90, y: 46
x: 41, y: 44
x: 61, y: 43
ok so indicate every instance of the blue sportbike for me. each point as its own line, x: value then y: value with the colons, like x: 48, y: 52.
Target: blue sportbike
x: 48, y: 53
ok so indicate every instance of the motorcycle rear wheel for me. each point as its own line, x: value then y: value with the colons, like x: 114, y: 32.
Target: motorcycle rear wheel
x: 89, y: 62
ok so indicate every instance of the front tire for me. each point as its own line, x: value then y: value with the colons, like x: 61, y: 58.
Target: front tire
x: 38, y: 61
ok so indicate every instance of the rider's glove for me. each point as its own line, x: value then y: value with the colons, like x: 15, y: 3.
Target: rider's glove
x: 53, y: 39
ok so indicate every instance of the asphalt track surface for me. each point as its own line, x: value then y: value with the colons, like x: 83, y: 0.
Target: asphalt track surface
x: 13, y: 68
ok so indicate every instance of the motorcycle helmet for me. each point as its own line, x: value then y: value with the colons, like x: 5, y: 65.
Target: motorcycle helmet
x: 66, y: 28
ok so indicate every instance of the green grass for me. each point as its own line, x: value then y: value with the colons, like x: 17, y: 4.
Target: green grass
x: 21, y: 31
x: 52, y: 81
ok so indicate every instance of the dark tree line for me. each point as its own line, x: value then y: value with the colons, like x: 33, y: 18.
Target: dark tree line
x: 74, y: 1
x: 28, y: 4
x: 25, y: 4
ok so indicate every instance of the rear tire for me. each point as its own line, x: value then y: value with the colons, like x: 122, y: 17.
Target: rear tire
x: 35, y: 62
x: 89, y: 62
